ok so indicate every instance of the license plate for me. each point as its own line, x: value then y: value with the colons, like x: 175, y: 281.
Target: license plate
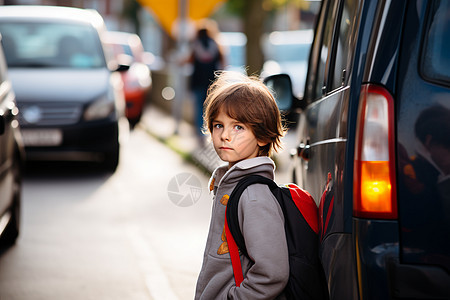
x: 42, y: 137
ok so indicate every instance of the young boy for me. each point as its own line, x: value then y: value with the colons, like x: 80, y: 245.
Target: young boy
x: 245, y: 125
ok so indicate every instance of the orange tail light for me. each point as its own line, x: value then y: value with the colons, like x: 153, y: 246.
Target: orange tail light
x: 374, y: 194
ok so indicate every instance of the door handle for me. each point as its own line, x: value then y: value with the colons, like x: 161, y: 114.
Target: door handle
x: 303, y: 151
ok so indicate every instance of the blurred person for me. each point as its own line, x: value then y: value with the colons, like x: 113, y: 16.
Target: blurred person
x: 245, y: 125
x: 206, y: 57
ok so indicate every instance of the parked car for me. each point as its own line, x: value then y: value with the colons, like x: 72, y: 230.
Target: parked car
x: 70, y: 99
x: 374, y: 146
x: 137, y: 81
x: 11, y: 160
x: 233, y: 45
x: 287, y: 52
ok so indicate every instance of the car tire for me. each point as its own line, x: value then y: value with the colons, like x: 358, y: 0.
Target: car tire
x: 134, y: 121
x: 112, y: 158
x: 11, y: 232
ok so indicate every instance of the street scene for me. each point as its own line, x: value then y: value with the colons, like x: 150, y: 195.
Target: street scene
x: 90, y: 235
x: 138, y: 233
x: 131, y: 131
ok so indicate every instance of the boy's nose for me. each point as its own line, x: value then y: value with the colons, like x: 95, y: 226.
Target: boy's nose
x: 225, y: 134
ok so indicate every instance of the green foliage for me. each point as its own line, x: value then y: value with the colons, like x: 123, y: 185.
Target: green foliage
x: 130, y: 9
x: 236, y: 7
x: 130, y: 12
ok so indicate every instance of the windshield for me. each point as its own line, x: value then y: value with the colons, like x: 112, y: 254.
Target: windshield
x: 51, y: 45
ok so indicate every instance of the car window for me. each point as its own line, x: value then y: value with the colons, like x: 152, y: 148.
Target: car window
x: 37, y: 44
x: 325, y: 51
x: 233, y: 45
x: 435, y: 64
x: 343, y: 49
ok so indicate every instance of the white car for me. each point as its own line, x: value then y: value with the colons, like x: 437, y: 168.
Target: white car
x: 69, y: 96
x: 287, y: 52
x: 233, y: 44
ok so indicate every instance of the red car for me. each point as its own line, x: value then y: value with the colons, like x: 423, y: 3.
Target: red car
x: 137, y: 80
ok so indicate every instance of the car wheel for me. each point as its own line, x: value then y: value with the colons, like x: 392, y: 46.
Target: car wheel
x: 11, y: 231
x: 134, y: 121
x: 112, y: 158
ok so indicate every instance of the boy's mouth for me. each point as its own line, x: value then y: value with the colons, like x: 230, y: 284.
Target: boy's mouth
x: 225, y: 148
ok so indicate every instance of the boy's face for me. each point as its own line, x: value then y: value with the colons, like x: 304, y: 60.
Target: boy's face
x: 233, y: 140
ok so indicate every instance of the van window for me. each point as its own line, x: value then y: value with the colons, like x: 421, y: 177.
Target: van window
x: 344, y: 45
x: 325, y: 51
x: 435, y: 64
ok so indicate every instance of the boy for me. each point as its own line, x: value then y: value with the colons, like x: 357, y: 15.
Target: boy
x: 245, y: 125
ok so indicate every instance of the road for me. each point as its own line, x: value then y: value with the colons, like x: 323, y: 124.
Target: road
x: 90, y: 235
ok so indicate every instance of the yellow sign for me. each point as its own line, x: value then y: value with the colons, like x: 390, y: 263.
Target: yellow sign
x: 167, y: 10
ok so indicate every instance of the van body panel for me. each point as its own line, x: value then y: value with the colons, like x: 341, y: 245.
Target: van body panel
x: 399, y: 47
x: 423, y: 158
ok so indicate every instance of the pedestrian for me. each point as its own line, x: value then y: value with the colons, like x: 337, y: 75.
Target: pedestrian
x: 244, y: 122
x: 206, y: 58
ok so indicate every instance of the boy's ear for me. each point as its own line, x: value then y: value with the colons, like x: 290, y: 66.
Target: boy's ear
x: 262, y: 144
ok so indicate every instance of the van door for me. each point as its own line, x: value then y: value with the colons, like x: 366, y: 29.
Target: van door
x: 423, y: 139
x: 323, y: 139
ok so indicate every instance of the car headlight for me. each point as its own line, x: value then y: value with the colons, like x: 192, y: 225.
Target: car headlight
x: 101, y: 108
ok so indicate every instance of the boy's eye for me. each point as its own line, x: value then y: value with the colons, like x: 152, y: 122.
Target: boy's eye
x: 238, y: 127
x: 217, y: 126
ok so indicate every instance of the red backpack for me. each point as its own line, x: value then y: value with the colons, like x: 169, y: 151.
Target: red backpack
x: 306, y: 276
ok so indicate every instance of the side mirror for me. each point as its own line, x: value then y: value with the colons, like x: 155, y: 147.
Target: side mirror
x: 123, y: 68
x: 281, y: 85
x: 120, y: 63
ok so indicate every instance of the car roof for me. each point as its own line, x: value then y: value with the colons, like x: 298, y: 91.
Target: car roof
x: 304, y: 36
x: 121, y: 37
x: 47, y: 13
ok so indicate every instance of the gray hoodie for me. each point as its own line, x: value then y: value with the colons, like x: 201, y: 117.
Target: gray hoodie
x: 262, y: 224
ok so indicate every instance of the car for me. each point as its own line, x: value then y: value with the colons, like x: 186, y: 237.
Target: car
x: 233, y: 45
x: 373, y: 137
x: 70, y: 98
x: 137, y: 81
x: 287, y: 52
x: 11, y: 160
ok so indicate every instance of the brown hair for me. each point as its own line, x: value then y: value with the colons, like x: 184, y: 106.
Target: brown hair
x: 247, y: 100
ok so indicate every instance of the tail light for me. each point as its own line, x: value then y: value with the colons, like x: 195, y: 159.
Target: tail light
x: 374, y: 194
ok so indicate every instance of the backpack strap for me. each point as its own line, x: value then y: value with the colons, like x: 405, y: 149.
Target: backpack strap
x: 234, y: 255
x: 231, y: 214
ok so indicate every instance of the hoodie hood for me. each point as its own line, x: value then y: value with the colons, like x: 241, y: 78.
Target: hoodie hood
x: 261, y: 165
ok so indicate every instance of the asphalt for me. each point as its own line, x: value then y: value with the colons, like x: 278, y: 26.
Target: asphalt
x: 181, y: 137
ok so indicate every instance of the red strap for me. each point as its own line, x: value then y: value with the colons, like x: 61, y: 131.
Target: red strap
x: 234, y: 255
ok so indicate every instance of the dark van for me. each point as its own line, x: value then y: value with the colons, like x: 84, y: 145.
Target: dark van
x: 374, y: 146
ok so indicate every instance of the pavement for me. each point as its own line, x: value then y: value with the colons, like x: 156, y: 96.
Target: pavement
x: 181, y: 137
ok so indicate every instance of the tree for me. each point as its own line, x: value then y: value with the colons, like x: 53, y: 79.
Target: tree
x: 253, y: 17
x: 254, y: 14
x: 130, y: 12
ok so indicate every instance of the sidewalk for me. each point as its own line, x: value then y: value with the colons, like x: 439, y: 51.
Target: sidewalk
x: 162, y: 126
